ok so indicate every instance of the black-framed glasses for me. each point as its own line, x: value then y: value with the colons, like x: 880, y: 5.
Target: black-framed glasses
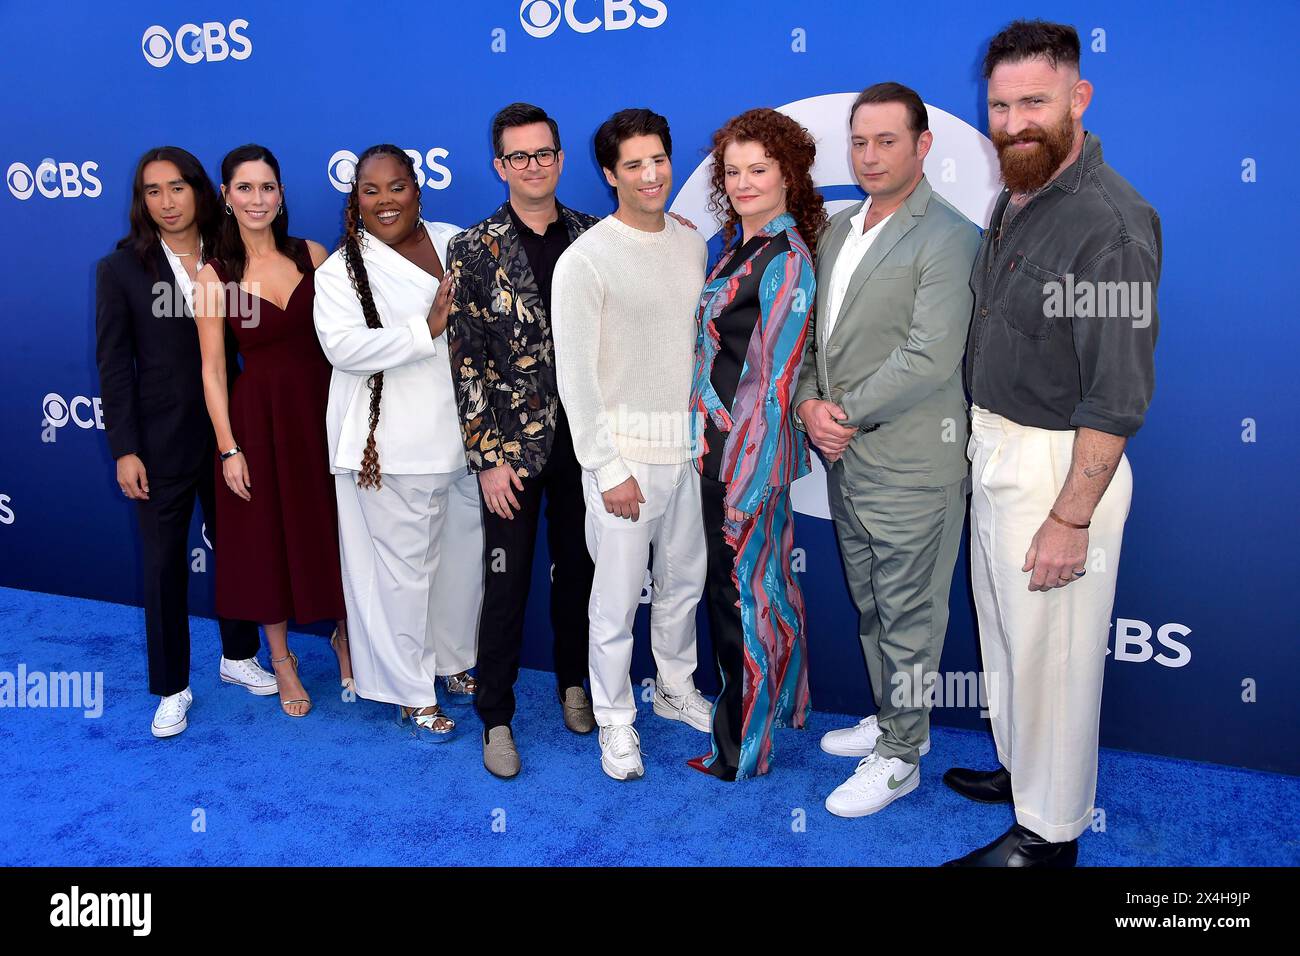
x: 519, y: 159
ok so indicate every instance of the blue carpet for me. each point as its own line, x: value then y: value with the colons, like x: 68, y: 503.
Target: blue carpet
x: 342, y: 787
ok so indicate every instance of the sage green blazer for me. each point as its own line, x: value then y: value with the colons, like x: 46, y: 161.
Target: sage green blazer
x: 893, y: 359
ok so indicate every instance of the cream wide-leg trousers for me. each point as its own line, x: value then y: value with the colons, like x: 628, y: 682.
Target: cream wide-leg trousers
x: 412, y: 556
x: 1044, y: 651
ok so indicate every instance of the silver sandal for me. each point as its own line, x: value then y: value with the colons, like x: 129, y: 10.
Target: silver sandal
x: 463, y: 684
x: 424, y: 722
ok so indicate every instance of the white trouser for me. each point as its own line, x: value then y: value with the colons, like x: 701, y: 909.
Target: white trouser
x: 412, y: 556
x: 670, y: 523
x: 1044, y: 651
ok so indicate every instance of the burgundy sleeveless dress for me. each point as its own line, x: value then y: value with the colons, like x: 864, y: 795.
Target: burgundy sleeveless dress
x: 279, y: 552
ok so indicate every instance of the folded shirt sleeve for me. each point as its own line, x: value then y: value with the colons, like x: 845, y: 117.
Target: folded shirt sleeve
x: 1115, y: 345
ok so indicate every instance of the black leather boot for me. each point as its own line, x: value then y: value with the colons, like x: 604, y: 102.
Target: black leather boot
x: 983, y: 786
x: 1022, y: 847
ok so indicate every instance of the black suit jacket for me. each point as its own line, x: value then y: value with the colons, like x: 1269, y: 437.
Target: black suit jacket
x: 150, y: 368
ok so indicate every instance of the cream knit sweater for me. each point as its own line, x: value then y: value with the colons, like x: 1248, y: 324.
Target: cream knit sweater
x: 623, y: 305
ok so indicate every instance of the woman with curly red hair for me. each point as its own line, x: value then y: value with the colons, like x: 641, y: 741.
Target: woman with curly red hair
x: 753, y: 320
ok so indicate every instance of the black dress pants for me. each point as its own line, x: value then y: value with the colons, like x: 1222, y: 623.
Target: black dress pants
x: 508, y: 558
x: 721, y: 600
x: 164, y: 537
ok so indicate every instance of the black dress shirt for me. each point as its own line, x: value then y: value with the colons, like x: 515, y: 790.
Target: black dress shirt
x: 543, y: 251
x: 735, y: 325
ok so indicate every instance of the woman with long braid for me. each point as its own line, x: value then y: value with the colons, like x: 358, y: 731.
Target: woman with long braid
x: 410, y: 529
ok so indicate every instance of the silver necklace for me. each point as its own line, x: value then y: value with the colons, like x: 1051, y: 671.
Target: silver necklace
x: 182, y: 255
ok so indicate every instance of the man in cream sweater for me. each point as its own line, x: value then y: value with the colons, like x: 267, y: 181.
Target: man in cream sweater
x: 623, y: 311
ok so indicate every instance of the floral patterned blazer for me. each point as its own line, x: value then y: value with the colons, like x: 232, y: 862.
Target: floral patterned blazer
x: 502, y: 350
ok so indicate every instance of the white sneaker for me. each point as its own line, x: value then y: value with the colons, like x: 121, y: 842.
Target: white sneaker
x: 249, y: 675
x: 877, y: 783
x: 620, y: 752
x: 693, y: 708
x: 169, y: 719
x: 859, y: 740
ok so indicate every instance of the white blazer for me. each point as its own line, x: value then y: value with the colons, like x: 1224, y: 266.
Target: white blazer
x: 419, y: 425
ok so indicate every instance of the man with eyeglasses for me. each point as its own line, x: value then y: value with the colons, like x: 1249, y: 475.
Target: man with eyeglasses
x: 516, y: 434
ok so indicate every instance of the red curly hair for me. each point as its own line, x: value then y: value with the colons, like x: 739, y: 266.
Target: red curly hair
x: 793, y: 149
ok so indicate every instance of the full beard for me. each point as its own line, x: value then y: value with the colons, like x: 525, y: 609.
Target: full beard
x: 1026, y: 171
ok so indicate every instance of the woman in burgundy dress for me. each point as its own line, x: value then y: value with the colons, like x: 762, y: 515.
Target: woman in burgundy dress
x: 278, y: 527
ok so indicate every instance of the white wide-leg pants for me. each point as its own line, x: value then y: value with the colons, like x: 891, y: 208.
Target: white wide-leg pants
x: 1044, y: 651
x: 412, y: 556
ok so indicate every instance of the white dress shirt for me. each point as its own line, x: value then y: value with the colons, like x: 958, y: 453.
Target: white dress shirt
x: 419, y: 425
x: 856, y: 244
x: 182, y: 277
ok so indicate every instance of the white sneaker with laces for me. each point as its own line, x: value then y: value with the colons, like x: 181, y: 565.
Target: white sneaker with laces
x: 169, y: 719
x: 692, y: 708
x: 249, y: 675
x: 877, y: 783
x: 859, y: 740
x: 620, y: 752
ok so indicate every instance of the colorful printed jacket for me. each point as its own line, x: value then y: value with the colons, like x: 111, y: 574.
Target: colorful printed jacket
x: 763, y: 448
x: 502, y: 350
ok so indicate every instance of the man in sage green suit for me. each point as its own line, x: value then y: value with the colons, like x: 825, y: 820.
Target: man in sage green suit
x: 880, y: 395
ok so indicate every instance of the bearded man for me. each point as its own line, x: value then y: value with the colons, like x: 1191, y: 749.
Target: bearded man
x: 1060, y: 369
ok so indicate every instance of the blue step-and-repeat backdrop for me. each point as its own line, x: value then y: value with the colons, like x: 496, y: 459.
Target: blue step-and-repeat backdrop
x: 1203, y: 645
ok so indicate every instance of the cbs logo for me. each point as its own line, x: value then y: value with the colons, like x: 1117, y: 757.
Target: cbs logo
x: 55, y: 412
x: 342, y: 169
x: 53, y: 180
x: 1133, y: 643
x: 541, y: 18
x: 212, y: 41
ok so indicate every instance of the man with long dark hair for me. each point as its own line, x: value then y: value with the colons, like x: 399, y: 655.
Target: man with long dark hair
x: 157, y: 425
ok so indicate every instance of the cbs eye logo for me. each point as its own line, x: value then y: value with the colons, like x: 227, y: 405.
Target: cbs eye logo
x: 53, y: 180
x: 194, y: 43
x: 342, y: 169
x: 56, y: 412
x: 541, y: 18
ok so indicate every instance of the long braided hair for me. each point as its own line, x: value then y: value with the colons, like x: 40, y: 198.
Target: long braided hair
x: 351, y: 247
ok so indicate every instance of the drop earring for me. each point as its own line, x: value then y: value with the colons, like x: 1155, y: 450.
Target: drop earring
x: 229, y: 211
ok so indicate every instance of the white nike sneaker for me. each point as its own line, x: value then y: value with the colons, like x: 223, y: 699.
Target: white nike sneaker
x: 693, y: 708
x: 249, y: 675
x: 877, y: 783
x: 169, y: 719
x: 859, y: 740
x: 620, y: 752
